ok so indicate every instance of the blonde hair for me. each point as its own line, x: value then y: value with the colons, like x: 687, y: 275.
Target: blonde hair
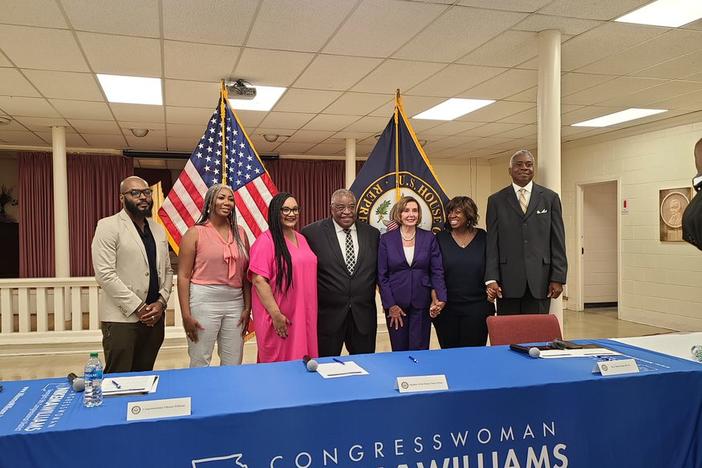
x: 396, y: 212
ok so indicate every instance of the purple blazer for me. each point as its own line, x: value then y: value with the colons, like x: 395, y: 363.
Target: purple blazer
x: 410, y: 285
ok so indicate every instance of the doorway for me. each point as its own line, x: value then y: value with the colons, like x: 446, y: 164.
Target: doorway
x: 599, y: 245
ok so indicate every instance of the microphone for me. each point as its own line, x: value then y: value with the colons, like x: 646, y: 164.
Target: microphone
x: 534, y: 352
x: 310, y: 364
x: 76, y: 382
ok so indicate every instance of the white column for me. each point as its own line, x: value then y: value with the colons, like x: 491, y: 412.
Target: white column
x: 350, y: 161
x: 61, y: 246
x: 548, y: 115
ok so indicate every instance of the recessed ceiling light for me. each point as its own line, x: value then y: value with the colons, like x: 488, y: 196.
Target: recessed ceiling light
x: 266, y: 97
x: 453, y: 108
x: 131, y: 89
x: 618, y: 117
x: 669, y: 13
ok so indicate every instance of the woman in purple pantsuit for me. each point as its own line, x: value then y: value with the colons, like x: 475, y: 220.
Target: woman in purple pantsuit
x: 411, y: 277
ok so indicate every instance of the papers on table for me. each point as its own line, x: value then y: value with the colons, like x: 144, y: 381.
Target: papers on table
x: 129, y: 385
x: 333, y: 370
x: 568, y: 353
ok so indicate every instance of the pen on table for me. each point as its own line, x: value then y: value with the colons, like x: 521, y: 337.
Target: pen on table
x: 114, y: 382
x: 339, y: 361
x: 412, y: 359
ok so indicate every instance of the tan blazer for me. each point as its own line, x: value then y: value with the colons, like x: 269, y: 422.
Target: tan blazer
x: 122, y: 269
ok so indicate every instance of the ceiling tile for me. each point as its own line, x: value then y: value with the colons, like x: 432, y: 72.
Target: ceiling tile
x: 690, y: 101
x: 12, y: 83
x: 332, y: 123
x: 32, y: 107
x: 305, y: 100
x: 574, y: 82
x: 453, y: 79
x: 652, y: 52
x: 603, y: 41
x: 413, y: 105
x: 611, y: 89
x: 250, y: 119
x: 506, y: 50
x: 189, y: 115
x: 326, y: 149
x: 378, y: 28
x: 525, y: 117
x: 595, y: 9
x: 587, y: 113
x: 648, y: 96
x: 191, y: 132
x: 448, y: 128
x: 180, y: 144
x: 435, y: 145
x: 65, y: 85
x: 126, y: 125
x: 73, y: 140
x: 293, y: 148
x: 254, y: 66
x: 291, y: 120
x: 105, y: 141
x: 520, y: 132
x: 46, y: 49
x: 528, y: 6
x: 680, y: 67
x: 129, y: 17
x: 82, y: 109
x: 116, y: 54
x: 570, y: 26
x: 104, y: 127
x: 491, y: 129
x: 310, y: 136
x: 373, y: 125
x: 4, y: 61
x: 22, y: 138
x: 401, y: 73
x: 214, y: 62
x: 528, y: 95
x: 137, y: 112
x: 306, y: 25
x: 44, y: 13
x: 335, y: 72
x: 456, y: 32
x: 192, y: 93
x: 358, y: 136
x: 510, y: 82
x: 357, y: 103
x: 208, y: 21
x: 155, y: 140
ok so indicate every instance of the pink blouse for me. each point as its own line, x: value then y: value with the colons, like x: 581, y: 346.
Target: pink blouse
x: 218, y: 261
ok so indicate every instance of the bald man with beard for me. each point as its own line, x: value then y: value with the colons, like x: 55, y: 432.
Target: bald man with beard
x: 132, y: 265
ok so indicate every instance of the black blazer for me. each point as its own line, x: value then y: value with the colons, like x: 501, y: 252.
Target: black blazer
x: 525, y: 249
x: 692, y: 221
x: 337, y: 290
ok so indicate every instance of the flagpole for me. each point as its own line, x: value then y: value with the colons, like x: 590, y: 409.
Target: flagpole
x: 223, y: 95
x: 397, y: 148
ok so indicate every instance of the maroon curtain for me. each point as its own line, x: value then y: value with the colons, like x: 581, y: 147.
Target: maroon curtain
x: 311, y: 182
x: 36, y: 215
x: 154, y: 176
x: 93, y: 193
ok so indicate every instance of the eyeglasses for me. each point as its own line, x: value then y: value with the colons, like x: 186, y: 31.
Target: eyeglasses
x: 287, y: 211
x: 341, y: 208
x: 137, y: 193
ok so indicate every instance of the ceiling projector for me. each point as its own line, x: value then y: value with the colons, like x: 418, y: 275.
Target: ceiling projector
x: 240, y: 89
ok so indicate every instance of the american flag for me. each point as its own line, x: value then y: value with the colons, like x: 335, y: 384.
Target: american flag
x: 253, y: 187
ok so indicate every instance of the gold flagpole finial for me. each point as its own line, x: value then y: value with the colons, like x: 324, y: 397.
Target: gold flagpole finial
x: 223, y: 95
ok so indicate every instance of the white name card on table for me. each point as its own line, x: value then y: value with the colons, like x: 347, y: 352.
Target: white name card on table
x: 422, y: 383
x: 618, y: 367
x: 157, y: 409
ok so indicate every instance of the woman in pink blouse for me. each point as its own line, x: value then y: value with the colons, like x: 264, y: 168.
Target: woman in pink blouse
x: 214, y: 293
x: 283, y: 270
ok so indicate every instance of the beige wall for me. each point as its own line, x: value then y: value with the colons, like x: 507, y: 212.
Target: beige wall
x: 600, y: 242
x: 661, y: 283
x: 470, y: 177
x: 8, y: 178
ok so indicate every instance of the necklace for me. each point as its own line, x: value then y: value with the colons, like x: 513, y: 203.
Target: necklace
x: 408, y: 238
x: 467, y: 241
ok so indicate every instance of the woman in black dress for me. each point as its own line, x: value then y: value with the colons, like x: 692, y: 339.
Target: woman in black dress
x: 462, y: 244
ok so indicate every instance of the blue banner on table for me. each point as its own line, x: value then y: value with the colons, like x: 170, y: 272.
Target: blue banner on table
x: 502, y: 410
x: 396, y: 167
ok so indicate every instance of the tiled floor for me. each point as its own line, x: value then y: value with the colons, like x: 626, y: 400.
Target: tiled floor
x: 59, y: 360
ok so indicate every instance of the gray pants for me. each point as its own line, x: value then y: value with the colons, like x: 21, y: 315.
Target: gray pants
x: 218, y: 309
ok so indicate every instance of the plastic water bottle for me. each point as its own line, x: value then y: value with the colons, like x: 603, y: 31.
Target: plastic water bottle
x: 93, y: 382
x: 697, y: 352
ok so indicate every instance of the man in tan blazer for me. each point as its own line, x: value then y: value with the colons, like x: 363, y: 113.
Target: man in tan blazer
x: 132, y: 265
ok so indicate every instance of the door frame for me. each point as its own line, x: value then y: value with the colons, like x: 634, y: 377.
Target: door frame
x: 579, y: 296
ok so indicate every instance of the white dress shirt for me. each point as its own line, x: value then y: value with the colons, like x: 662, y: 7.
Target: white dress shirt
x: 528, y: 187
x: 341, y: 237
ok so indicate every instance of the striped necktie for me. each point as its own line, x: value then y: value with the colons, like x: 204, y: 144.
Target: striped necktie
x: 522, y: 200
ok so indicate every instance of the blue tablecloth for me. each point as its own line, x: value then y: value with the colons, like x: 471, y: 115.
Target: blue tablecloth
x: 503, y: 409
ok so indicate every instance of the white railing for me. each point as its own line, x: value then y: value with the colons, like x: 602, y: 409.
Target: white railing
x: 34, y: 310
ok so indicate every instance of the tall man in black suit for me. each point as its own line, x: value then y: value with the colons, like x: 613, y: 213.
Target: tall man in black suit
x: 347, y: 256
x: 526, y: 258
x: 692, y: 217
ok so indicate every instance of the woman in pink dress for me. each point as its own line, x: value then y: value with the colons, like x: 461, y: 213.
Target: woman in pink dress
x: 283, y: 271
